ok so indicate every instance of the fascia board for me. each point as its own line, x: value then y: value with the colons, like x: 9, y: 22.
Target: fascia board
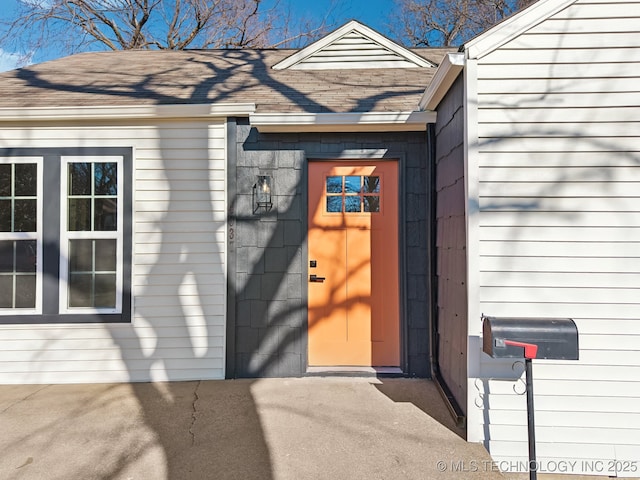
x: 445, y: 75
x: 342, y: 122
x: 127, y: 112
x: 338, y: 33
x: 513, y: 26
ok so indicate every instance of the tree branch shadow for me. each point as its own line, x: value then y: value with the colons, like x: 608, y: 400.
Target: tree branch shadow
x: 149, y: 345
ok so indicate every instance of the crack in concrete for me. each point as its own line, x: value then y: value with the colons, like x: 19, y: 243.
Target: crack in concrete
x: 23, y: 399
x: 194, y: 413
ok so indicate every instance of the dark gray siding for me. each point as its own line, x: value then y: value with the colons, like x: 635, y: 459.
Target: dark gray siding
x: 268, y: 317
x: 451, y: 243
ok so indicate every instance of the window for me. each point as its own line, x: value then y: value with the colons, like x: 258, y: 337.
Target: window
x: 20, y: 227
x: 353, y: 194
x: 91, y: 230
x: 65, y: 236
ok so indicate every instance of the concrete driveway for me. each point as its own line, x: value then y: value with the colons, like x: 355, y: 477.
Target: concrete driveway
x: 284, y: 429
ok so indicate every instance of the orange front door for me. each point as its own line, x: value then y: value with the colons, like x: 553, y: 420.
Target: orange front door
x: 354, y: 317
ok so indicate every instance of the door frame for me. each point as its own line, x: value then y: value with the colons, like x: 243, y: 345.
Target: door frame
x: 360, y: 156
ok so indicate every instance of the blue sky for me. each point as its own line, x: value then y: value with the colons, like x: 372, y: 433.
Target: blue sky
x: 374, y: 13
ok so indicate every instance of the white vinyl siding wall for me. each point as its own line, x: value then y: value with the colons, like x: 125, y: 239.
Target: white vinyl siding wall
x: 179, y: 272
x: 558, y: 164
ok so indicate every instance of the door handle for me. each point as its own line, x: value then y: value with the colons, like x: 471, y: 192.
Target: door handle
x: 315, y: 278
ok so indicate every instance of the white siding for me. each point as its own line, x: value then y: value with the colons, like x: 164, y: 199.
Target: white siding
x: 558, y: 163
x: 179, y: 252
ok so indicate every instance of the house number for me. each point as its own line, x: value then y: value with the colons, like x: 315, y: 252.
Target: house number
x: 232, y: 224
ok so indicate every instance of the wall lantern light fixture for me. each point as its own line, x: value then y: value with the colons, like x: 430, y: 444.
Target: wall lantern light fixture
x: 262, y: 194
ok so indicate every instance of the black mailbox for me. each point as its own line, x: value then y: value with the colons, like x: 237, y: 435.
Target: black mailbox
x: 555, y: 338
x: 551, y: 338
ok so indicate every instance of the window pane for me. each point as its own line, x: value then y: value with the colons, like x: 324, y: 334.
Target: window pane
x: 6, y: 256
x: 79, y: 179
x: 372, y: 204
x: 26, y: 180
x: 80, y: 288
x: 105, y: 291
x: 80, y: 256
x: 105, y: 255
x: 352, y: 204
x: 106, y: 178
x: 5, y: 215
x: 79, y: 214
x: 106, y: 214
x: 352, y: 184
x: 5, y: 180
x: 334, y: 184
x: 25, y: 291
x: 334, y: 204
x: 25, y: 216
x: 26, y: 256
x: 6, y: 291
x: 371, y: 184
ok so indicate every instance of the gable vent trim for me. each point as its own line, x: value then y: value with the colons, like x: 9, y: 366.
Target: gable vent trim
x: 353, y: 46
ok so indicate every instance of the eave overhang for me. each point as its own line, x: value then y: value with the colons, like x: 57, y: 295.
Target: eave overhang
x: 126, y: 112
x: 342, y: 122
x: 445, y: 75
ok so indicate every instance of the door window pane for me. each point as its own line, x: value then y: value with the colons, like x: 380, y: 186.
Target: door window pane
x: 371, y: 204
x: 334, y: 204
x: 352, y: 184
x: 334, y: 184
x: 352, y: 204
x: 371, y: 184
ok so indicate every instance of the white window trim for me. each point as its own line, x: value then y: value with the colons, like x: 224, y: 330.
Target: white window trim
x: 37, y: 236
x: 65, y: 235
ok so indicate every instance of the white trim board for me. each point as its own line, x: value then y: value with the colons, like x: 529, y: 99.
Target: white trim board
x: 342, y: 122
x: 411, y: 60
x: 513, y: 26
x: 449, y: 69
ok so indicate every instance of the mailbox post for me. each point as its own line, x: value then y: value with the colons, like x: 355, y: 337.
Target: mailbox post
x: 542, y: 338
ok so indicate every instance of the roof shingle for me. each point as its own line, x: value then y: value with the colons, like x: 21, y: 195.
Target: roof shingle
x: 143, y: 77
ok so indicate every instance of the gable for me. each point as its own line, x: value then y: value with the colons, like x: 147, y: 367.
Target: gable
x: 513, y: 26
x: 353, y: 46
